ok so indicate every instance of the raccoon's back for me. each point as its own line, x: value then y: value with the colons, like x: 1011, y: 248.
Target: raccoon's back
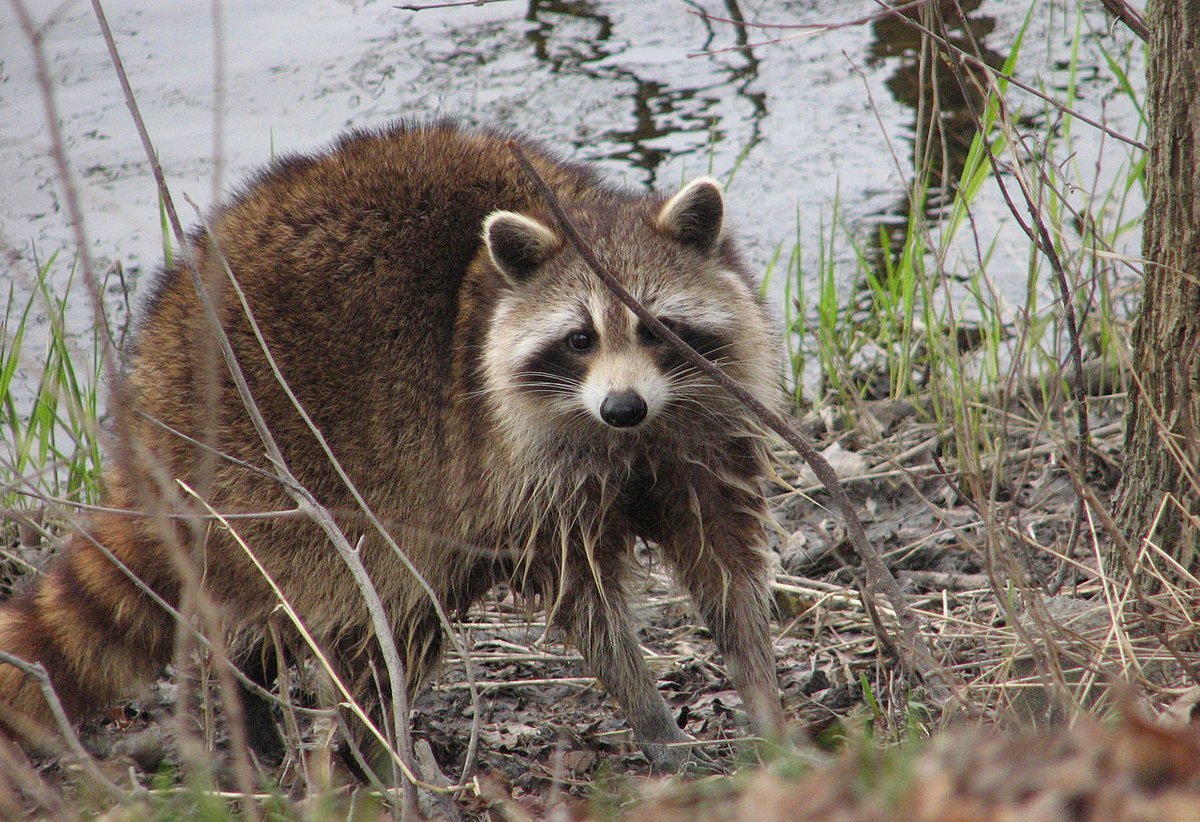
x: 352, y: 263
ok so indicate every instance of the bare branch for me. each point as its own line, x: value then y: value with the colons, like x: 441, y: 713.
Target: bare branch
x: 1129, y: 16
x: 449, y: 5
x: 38, y: 672
x: 916, y: 654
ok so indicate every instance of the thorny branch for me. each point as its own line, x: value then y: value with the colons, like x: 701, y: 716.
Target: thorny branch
x: 916, y: 653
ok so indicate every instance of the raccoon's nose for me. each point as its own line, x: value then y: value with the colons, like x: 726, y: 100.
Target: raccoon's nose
x: 623, y: 410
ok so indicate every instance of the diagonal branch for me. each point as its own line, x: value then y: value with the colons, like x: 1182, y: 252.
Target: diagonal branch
x: 38, y: 672
x: 915, y: 652
x: 1131, y: 17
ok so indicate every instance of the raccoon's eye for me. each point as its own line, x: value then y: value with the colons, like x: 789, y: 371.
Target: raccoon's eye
x: 581, y: 340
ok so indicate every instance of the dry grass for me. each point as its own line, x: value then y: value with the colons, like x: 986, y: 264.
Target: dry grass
x: 986, y: 491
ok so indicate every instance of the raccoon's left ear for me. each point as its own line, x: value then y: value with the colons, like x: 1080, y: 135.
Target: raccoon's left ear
x: 518, y: 244
x: 693, y: 216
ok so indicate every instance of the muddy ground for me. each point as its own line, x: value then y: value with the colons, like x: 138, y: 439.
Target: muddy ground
x: 549, y: 735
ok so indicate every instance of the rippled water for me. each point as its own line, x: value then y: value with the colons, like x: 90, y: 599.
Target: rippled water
x: 652, y: 92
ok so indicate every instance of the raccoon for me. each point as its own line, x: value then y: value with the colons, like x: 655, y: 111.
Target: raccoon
x: 505, y: 417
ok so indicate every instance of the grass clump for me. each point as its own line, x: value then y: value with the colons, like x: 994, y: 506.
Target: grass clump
x: 915, y: 312
x: 49, y: 398
x: 50, y: 411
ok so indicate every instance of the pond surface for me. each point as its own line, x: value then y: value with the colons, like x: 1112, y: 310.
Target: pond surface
x: 654, y: 93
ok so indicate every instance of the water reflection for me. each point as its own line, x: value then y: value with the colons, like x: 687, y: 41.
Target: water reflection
x: 664, y: 118
x: 578, y: 37
x: 943, y: 123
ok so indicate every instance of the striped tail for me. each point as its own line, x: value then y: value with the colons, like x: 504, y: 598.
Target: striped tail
x: 88, y: 624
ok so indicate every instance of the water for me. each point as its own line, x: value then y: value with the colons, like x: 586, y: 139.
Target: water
x: 653, y: 93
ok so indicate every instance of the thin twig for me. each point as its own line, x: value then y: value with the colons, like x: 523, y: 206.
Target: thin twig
x: 315, y: 647
x: 917, y: 657
x: 816, y: 28
x: 301, y: 495
x: 174, y: 613
x: 305, y: 499
x: 449, y: 5
x: 800, y: 29
x: 387, y: 646
x: 1043, y: 240
x: 1129, y: 16
x: 38, y: 672
x: 1125, y: 555
x: 218, y: 147
x: 980, y: 63
x: 71, y: 196
x: 124, y: 451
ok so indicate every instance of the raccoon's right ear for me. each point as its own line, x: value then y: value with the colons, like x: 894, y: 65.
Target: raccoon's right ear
x: 518, y: 244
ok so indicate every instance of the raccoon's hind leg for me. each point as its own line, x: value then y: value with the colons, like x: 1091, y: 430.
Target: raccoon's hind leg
x: 601, y: 626
x: 87, y: 623
x: 359, y: 663
x: 261, y: 667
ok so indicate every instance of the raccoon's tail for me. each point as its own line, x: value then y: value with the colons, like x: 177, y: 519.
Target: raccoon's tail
x: 88, y: 624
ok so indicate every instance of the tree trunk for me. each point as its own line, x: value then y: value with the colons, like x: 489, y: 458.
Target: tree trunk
x: 1162, y: 438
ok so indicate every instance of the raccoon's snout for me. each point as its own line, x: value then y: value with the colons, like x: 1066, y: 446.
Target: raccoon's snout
x: 623, y: 409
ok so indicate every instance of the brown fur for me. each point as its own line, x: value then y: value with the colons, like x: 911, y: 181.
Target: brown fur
x: 365, y: 271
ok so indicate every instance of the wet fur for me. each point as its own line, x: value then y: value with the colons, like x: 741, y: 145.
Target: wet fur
x: 366, y: 272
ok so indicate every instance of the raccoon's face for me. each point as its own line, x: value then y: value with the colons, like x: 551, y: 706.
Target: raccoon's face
x: 564, y: 357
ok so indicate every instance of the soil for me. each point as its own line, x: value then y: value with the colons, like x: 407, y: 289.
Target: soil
x: 549, y: 735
